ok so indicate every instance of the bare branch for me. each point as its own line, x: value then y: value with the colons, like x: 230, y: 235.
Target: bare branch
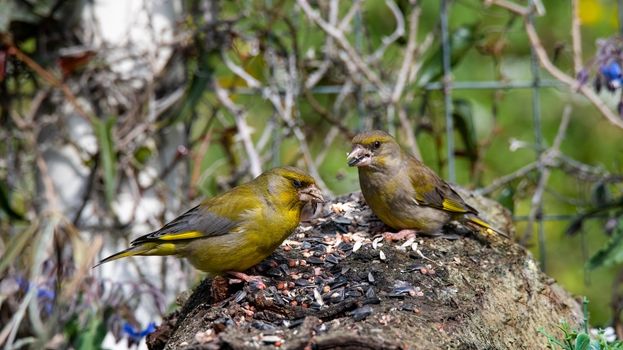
x: 241, y: 124
x: 546, y: 158
x: 576, y: 36
x: 407, y: 62
x: 395, y: 35
x: 509, y: 5
x: 352, y: 54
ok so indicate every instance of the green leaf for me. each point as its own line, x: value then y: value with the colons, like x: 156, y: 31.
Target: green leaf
x: 5, y: 202
x: 582, y: 341
x: 595, y: 345
x: 108, y: 156
x: 16, y: 246
x: 612, y: 252
x: 93, y: 337
x: 142, y: 155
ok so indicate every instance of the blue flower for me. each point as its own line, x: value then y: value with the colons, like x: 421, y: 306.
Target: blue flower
x: 612, y: 73
x: 45, y: 295
x: 136, y: 335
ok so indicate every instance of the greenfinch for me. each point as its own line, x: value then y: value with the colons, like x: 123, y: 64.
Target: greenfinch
x: 237, y: 229
x: 403, y: 192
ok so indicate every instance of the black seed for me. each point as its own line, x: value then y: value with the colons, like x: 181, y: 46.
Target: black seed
x: 342, y: 220
x: 263, y: 326
x: 301, y: 282
x: 295, y: 323
x: 338, y: 282
x: 332, y: 259
x: 315, y: 260
x: 370, y: 293
x: 353, y: 293
x: 370, y: 277
x: 408, y: 307
x: 361, y: 313
x: 275, y: 272
x: 369, y: 301
x: 240, y: 296
x: 345, y: 246
x: 336, y: 296
x: 315, y: 306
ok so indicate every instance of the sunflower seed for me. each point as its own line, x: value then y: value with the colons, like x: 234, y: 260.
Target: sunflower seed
x: 357, y: 245
x: 361, y: 313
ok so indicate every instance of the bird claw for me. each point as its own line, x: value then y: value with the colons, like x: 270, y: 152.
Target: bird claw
x: 400, y: 235
x: 255, y: 281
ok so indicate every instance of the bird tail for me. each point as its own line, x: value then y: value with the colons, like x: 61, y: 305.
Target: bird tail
x: 485, y: 225
x: 147, y: 248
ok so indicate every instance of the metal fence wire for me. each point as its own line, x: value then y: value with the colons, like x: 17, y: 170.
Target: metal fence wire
x: 447, y: 86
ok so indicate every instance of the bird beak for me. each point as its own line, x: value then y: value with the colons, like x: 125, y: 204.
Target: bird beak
x: 311, y: 194
x: 359, y: 156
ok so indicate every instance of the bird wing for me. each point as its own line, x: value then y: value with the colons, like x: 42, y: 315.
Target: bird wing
x: 432, y: 191
x: 214, y: 217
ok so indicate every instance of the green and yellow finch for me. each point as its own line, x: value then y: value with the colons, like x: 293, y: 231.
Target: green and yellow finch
x: 237, y: 229
x: 403, y: 192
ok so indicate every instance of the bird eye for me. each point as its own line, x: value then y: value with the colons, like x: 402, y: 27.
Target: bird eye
x: 297, y: 183
x: 377, y: 144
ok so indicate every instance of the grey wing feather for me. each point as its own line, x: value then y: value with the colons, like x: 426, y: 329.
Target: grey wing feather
x: 195, y: 219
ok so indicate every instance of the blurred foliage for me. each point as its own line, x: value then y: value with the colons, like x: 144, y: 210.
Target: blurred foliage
x: 282, y: 51
x: 574, y: 339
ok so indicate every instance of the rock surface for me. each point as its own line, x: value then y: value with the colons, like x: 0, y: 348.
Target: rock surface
x: 336, y: 284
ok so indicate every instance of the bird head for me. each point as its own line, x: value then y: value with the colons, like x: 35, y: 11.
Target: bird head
x: 373, y: 149
x: 293, y: 186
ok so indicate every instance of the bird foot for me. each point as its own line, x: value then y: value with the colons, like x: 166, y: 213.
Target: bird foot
x: 400, y: 235
x: 255, y: 281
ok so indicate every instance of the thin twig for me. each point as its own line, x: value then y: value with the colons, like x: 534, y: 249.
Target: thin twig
x: 50, y: 79
x: 241, y: 124
x: 352, y: 54
x: 403, y: 76
x: 546, y: 157
x: 576, y: 36
x: 509, y: 5
x: 547, y: 64
x: 506, y: 179
x: 407, y: 62
x: 395, y: 35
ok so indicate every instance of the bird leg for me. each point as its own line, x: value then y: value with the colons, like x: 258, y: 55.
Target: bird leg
x: 402, y: 234
x: 256, y: 281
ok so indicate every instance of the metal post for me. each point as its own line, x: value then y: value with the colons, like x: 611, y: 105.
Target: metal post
x: 447, y: 90
x: 538, y: 140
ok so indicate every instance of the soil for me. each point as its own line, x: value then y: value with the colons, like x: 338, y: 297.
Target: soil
x: 339, y: 284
